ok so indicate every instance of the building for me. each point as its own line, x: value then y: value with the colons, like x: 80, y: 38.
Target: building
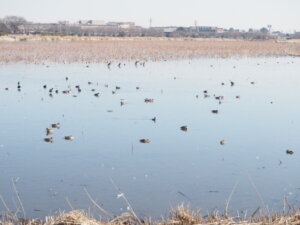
x: 97, y: 22
x: 123, y: 25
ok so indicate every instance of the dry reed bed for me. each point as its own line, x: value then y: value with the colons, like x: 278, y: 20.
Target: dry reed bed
x: 38, y: 49
x: 181, y: 215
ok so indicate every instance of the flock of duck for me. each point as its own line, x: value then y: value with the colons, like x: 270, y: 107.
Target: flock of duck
x: 50, y: 131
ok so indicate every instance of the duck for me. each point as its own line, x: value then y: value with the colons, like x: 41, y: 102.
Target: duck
x: 222, y: 142
x: 147, y: 100
x: 49, y: 139
x: 289, y: 152
x: 55, y: 125
x: 154, y: 119
x: 97, y: 94
x: 215, y: 111
x: 49, y: 131
x: 184, y: 128
x: 144, y: 141
x: 69, y: 138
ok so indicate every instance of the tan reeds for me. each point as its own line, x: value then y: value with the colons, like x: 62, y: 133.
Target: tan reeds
x: 38, y: 49
x: 181, y: 215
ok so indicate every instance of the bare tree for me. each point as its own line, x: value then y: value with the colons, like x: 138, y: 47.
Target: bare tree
x: 13, y: 23
x: 3, y: 27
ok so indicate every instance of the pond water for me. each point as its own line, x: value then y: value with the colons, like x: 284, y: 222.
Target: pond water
x: 177, y: 166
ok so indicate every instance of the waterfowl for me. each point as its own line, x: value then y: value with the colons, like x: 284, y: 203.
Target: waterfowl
x: 219, y: 97
x: 289, y: 152
x: 66, y: 91
x: 205, y: 91
x: 252, y: 82
x: 113, y: 92
x: 231, y: 83
x: 50, y: 90
x: 118, y: 88
x: 89, y: 83
x: 49, y: 131
x: 137, y: 88
x: 69, y: 138
x: 55, y: 125
x: 154, y: 119
x: 144, y: 141
x: 222, y: 142
x: 147, y: 100
x: 67, y: 78
x: 97, y: 94
x: 45, y: 86
x: 49, y: 139
x: 184, y: 128
x: 237, y: 96
x: 6, y: 89
x: 215, y: 111
x: 77, y: 86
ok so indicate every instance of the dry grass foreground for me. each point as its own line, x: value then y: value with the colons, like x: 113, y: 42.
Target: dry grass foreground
x: 68, y: 49
x: 181, y: 215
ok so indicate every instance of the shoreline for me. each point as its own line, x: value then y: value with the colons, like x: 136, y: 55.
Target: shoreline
x: 69, y: 49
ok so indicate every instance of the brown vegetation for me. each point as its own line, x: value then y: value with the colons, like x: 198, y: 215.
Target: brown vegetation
x: 181, y: 215
x: 67, y: 49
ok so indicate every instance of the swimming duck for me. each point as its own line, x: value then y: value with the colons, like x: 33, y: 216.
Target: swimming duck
x: 49, y: 139
x: 49, y: 131
x: 184, y: 128
x: 55, y: 125
x: 69, y: 138
x: 289, y: 152
x: 147, y: 100
x: 144, y: 141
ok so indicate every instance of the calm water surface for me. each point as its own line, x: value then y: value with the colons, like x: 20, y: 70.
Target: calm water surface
x: 176, y: 166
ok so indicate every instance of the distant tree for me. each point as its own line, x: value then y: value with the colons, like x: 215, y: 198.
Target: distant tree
x: 121, y: 34
x: 264, y: 30
x: 3, y: 27
x: 14, y: 22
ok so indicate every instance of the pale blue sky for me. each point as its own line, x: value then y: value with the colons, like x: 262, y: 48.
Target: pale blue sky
x: 284, y: 15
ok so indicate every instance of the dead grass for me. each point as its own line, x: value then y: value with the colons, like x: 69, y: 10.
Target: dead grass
x: 38, y: 49
x: 181, y: 215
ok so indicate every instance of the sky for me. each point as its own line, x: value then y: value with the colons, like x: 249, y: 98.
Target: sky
x: 283, y: 15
